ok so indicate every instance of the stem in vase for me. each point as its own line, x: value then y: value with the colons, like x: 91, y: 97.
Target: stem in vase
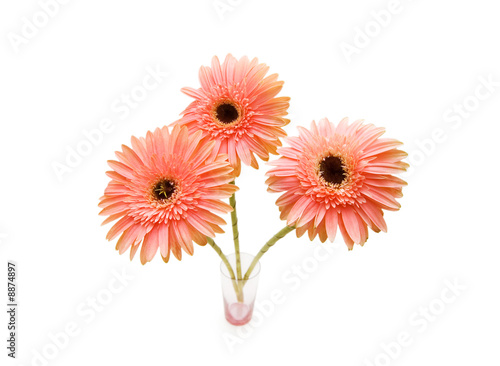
x: 238, y: 289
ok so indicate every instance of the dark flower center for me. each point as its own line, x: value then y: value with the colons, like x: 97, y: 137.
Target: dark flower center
x: 332, y: 170
x: 164, y: 189
x: 226, y: 113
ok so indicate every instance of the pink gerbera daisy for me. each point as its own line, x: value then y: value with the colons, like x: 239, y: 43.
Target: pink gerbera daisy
x: 338, y: 177
x: 166, y: 192
x: 236, y: 107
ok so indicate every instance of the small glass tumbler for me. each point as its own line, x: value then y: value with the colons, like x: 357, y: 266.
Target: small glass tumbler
x: 239, y: 296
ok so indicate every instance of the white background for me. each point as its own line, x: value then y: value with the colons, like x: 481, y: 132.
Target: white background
x: 409, y: 74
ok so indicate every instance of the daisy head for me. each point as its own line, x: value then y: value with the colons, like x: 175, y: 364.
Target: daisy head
x: 338, y: 177
x: 237, y: 108
x: 165, y: 192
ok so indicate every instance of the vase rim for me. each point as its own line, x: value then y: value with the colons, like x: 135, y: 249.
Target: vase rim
x: 255, y: 272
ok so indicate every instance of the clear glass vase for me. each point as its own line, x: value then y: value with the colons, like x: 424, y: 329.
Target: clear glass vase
x: 239, y: 296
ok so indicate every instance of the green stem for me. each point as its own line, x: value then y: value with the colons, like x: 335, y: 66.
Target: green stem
x: 218, y: 250
x: 236, y: 234
x: 236, y: 285
x: 279, y: 235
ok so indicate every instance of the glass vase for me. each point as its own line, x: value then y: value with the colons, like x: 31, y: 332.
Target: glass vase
x: 239, y: 295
